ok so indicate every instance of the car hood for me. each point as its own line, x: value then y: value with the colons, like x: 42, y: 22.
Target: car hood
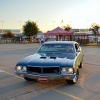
x: 48, y: 59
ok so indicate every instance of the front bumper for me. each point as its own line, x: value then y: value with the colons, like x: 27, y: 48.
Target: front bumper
x: 49, y: 76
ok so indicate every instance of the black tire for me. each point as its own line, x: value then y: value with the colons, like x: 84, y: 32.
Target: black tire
x: 74, y: 80
x: 81, y: 64
x: 28, y: 79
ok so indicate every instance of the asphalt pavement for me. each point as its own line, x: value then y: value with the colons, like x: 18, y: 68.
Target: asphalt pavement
x: 13, y: 87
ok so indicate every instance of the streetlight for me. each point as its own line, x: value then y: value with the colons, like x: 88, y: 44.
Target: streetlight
x: 53, y: 24
x: 2, y: 26
x: 70, y: 22
x: 87, y: 24
x: 20, y: 25
x: 36, y: 22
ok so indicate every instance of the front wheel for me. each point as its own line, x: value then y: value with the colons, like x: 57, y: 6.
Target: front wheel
x: 75, y: 78
x: 28, y: 79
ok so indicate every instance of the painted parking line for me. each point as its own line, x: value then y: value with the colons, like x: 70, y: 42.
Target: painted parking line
x: 12, y: 74
x: 70, y: 95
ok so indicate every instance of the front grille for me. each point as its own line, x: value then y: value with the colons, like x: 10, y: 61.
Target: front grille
x: 34, y: 69
x: 43, y: 70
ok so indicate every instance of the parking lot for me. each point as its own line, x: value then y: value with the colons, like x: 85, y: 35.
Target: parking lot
x: 13, y: 87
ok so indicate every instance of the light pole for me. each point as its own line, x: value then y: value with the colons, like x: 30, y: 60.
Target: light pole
x: 2, y: 26
x: 70, y: 22
x: 20, y: 25
x: 36, y: 22
x: 87, y: 24
x: 53, y: 24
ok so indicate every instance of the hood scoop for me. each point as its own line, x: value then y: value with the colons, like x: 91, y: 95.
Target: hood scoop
x: 53, y: 57
x: 42, y: 57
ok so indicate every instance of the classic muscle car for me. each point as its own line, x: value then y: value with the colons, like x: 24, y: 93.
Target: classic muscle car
x: 54, y: 60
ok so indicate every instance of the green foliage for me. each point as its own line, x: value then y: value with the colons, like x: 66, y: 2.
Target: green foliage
x: 8, y: 35
x: 94, y: 28
x: 67, y: 27
x: 4, y: 35
x: 30, y: 28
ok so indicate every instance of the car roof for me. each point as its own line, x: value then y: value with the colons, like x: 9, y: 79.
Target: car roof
x: 61, y: 42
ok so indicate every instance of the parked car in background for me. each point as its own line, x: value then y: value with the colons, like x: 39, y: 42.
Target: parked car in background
x: 55, y: 60
x: 90, y: 38
x: 98, y: 39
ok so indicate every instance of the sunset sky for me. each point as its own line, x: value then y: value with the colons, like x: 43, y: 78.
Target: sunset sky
x: 49, y: 14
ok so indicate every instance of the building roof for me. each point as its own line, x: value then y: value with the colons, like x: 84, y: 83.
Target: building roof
x: 58, y: 31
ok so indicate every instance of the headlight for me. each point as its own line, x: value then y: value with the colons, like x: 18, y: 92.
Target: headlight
x: 63, y: 71
x: 67, y: 71
x: 24, y: 68
x: 19, y: 68
x: 70, y: 70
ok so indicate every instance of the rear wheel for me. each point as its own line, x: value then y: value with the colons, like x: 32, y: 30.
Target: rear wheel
x: 81, y: 64
x: 28, y: 79
x: 75, y: 78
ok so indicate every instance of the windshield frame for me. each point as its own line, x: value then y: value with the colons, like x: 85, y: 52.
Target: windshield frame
x: 58, y: 50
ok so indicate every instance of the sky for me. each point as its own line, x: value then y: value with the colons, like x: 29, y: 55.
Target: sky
x: 48, y: 14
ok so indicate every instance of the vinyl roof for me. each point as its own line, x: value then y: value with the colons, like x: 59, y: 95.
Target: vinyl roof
x: 65, y: 42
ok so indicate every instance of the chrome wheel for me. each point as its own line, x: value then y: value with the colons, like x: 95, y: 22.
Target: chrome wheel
x: 75, y: 78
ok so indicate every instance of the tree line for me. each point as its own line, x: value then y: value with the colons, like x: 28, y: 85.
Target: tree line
x: 94, y: 28
x: 31, y: 29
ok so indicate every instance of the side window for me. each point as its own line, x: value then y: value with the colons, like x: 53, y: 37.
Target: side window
x: 76, y: 46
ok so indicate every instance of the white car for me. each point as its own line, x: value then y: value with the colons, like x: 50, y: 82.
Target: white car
x: 99, y: 39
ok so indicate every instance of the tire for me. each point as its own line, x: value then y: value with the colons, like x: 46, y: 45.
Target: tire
x: 81, y: 64
x: 28, y: 79
x: 74, y: 80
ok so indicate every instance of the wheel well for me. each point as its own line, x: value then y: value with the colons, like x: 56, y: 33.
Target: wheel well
x: 77, y: 69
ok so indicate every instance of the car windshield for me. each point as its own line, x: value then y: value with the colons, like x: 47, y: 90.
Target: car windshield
x: 65, y: 48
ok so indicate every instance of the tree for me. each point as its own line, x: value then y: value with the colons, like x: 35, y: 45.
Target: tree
x: 94, y: 28
x: 8, y: 35
x: 4, y: 35
x: 67, y: 27
x: 30, y: 29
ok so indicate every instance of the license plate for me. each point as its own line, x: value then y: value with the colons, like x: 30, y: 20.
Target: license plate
x: 43, y: 79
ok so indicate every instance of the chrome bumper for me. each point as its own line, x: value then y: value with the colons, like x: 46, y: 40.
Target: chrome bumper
x: 49, y: 76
